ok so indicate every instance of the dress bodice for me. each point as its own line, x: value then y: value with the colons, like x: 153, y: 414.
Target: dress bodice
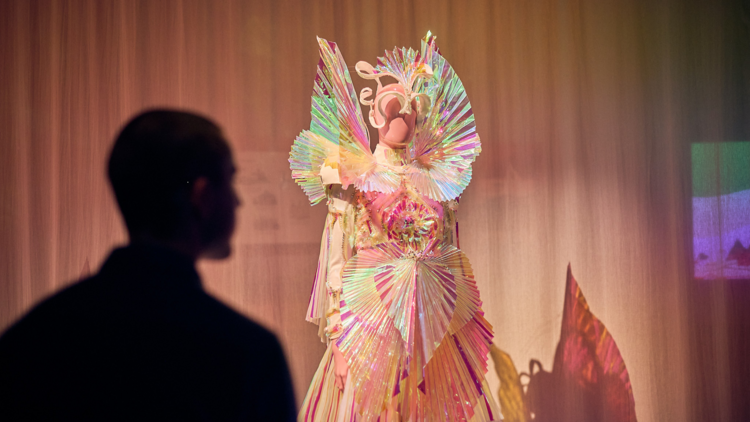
x: 405, y: 217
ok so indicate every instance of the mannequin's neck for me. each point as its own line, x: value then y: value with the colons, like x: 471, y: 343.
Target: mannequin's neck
x: 391, y: 156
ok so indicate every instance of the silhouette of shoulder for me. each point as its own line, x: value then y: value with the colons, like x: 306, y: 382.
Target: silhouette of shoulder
x: 143, y: 332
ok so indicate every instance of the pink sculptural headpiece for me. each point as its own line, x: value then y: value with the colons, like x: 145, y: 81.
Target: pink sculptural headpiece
x: 403, y: 90
x: 426, y: 115
x: 392, y: 111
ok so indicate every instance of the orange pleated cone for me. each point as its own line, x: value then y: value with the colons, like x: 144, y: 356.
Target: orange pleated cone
x: 589, y: 365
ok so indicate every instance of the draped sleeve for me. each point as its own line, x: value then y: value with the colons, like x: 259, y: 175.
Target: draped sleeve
x: 335, y: 249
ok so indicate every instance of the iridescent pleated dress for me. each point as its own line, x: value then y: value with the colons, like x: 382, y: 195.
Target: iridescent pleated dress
x: 392, y: 288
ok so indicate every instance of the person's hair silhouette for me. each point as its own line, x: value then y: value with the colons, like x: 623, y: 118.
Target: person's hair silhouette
x: 164, y: 164
x: 141, y: 340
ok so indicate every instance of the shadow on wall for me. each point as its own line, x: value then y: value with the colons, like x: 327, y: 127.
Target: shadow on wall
x: 588, y: 382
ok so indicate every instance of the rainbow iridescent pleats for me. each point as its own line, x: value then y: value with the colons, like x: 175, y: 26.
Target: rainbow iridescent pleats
x: 445, y: 142
x: 414, y: 333
x: 413, y: 324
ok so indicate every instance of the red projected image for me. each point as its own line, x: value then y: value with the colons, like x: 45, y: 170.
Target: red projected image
x: 721, y: 210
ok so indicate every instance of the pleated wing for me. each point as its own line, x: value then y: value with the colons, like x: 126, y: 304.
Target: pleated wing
x: 337, y: 135
x: 445, y: 142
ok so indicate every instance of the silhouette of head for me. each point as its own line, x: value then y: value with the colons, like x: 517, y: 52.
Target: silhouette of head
x: 171, y: 172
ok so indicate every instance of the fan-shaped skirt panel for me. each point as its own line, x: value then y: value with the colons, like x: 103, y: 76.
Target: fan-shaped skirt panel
x: 414, y: 330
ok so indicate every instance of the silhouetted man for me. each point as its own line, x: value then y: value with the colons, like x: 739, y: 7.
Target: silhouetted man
x: 141, y: 340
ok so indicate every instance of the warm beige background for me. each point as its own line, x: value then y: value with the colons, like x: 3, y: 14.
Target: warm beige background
x: 586, y: 110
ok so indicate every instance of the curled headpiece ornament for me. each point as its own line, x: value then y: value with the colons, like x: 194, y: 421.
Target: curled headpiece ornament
x: 408, y: 68
x: 440, y: 152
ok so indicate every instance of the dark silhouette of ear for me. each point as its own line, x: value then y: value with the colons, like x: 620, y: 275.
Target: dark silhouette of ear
x: 200, y: 197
